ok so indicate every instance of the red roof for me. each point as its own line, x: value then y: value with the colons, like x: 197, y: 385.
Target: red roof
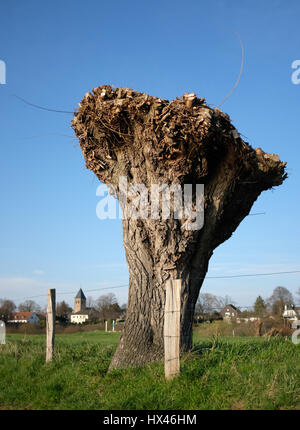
x: 21, y: 315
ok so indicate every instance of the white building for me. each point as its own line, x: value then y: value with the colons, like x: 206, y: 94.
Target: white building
x: 291, y: 313
x: 79, y: 317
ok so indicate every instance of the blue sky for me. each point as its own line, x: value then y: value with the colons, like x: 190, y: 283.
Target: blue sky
x: 57, y: 51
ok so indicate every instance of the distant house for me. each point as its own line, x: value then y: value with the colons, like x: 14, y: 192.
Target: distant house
x: 291, y: 313
x: 81, y: 313
x: 229, y: 312
x: 24, y: 317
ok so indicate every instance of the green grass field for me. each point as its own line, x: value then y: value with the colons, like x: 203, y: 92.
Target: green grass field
x: 221, y: 373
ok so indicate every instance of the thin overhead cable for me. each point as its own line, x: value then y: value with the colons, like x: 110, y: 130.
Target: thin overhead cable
x: 241, y: 70
x: 41, y: 107
x: 206, y: 277
x: 251, y: 274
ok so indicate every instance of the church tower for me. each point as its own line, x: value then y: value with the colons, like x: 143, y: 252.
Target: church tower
x: 80, y: 302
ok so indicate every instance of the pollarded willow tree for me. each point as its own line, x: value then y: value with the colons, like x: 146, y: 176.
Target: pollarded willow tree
x: 124, y: 133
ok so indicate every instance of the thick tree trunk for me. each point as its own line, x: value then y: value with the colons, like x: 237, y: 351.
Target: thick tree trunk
x: 142, y: 339
x: 152, y: 141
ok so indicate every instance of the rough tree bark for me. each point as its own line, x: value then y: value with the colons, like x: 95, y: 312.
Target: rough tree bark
x: 154, y: 141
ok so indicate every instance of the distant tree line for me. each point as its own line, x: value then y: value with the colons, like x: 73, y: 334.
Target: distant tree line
x: 106, y: 307
x: 7, y: 307
x: 209, y: 305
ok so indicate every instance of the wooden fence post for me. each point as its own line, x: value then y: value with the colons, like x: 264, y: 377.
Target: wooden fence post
x: 106, y: 326
x: 2, y: 332
x: 172, y: 328
x: 50, y: 325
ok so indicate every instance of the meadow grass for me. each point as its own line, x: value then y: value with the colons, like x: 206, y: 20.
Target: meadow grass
x: 220, y: 373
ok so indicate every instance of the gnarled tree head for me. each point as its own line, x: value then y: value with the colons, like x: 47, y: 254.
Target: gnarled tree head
x: 121, y: 130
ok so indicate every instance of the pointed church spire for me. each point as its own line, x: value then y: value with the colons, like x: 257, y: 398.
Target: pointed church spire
x: 80, y: 295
